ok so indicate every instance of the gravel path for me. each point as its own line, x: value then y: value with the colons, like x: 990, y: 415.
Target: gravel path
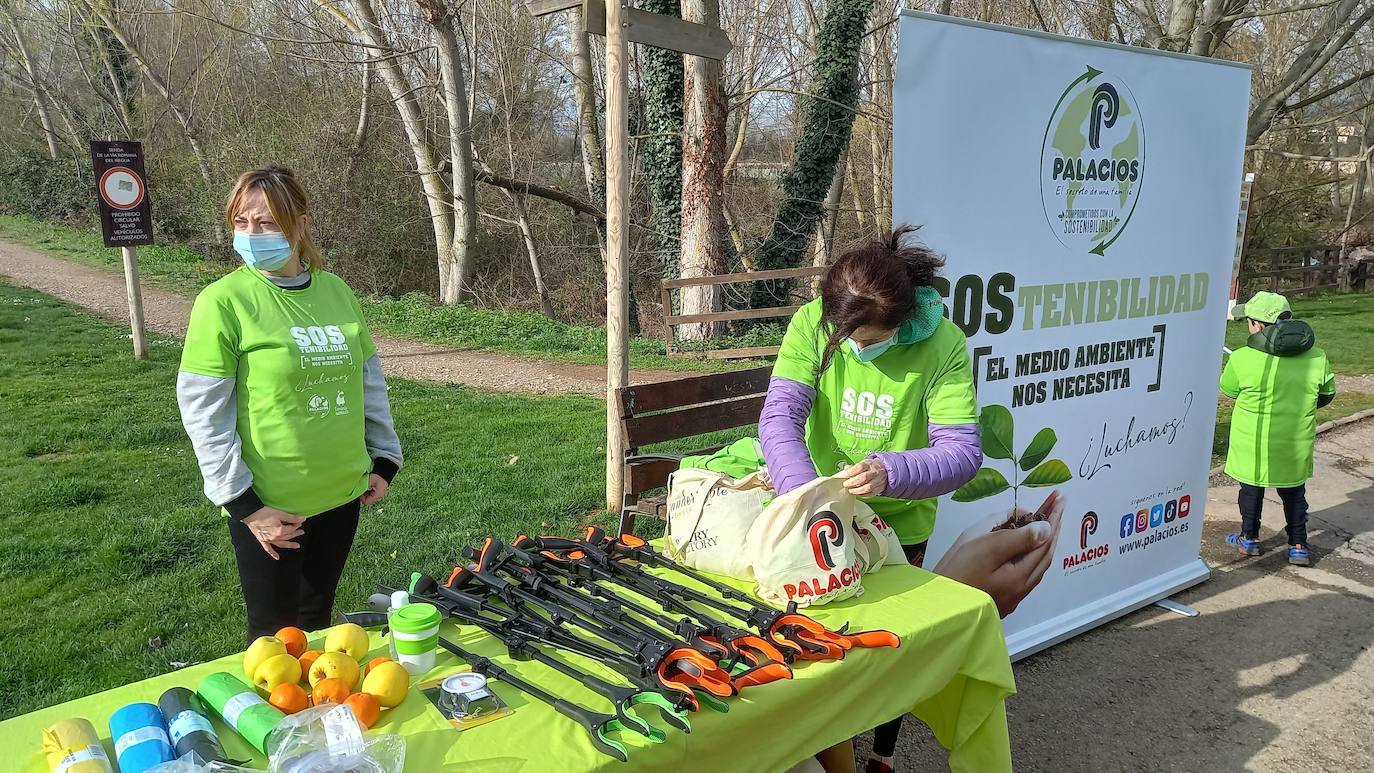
x: 166, y: 312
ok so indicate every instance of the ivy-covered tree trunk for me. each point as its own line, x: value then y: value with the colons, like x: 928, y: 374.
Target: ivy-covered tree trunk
x: 827, y: 120
x: 660, y: 151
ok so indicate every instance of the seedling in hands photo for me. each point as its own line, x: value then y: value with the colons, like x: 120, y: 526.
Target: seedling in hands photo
x: 998, y: 432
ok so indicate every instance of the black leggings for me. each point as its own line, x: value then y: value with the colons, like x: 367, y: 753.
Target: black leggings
x: 1294, y: 511
x: 298, y: 589
x: 885, y: 735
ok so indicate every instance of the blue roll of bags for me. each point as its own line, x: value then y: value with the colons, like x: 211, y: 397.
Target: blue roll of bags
x: 140, y: 737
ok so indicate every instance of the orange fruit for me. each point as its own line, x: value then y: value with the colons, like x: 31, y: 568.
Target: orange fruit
x: 294, y: 639
x: 290, y: 698
x: 375, y: 662
x: 330, y: 691
x: 365, y: 707
x: 308, y: 660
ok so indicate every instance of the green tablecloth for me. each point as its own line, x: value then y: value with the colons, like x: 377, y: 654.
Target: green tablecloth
x: 951, y: 671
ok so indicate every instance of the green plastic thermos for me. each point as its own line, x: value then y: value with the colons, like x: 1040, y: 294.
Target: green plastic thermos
x: 414, y: 635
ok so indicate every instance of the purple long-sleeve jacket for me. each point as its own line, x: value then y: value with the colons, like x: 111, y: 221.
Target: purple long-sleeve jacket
x: 951, y: 460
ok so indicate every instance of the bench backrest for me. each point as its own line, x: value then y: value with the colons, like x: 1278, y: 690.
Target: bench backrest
x: 681, y: 408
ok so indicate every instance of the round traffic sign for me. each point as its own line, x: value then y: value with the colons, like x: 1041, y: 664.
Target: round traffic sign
x: 121, y: 187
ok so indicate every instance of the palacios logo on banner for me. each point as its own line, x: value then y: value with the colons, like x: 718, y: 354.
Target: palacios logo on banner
x: 1087, y: 529
x: 1092, y: 162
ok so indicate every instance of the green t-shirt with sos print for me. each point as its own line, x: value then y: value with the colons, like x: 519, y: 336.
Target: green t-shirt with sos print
x: 883, y: 405
x: 297, y: 358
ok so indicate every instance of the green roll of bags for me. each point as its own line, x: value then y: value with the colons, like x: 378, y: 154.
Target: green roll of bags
x: 240, y: 707
x: 72, y: 746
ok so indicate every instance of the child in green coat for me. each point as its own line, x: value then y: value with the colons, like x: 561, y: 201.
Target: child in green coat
x: 1278, y: 380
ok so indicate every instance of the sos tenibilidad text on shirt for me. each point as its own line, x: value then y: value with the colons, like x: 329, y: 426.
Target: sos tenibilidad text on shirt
x: 297, y: 360
x: 883, y: 405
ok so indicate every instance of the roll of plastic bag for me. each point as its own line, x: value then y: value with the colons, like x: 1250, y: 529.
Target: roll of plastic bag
x: 188, y: 727
x: 140, y: 738
x: 240, y: 707
x: 72, y: 746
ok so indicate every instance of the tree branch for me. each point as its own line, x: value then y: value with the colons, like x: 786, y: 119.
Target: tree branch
x: 1324, y: 93
x: 1277, y: 11
x: 485, y: 174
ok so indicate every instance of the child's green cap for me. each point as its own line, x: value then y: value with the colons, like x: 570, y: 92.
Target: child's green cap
x: 1264, y: 307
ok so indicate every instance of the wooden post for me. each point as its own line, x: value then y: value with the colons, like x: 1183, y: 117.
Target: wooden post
x: 131, y: 284
x: 617, y: 246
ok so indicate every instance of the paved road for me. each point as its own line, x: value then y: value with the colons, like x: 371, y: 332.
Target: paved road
x: 166, y: 312
x: 1277, y: 674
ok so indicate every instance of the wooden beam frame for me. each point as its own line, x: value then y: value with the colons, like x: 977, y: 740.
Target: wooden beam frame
x: 650, y: 29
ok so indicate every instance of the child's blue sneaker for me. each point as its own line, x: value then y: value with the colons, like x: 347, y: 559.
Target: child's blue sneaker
x: 1247, y: 547
x: 1298, y: 555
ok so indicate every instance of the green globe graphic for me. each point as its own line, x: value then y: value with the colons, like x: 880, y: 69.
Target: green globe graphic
x: 1089, y: 193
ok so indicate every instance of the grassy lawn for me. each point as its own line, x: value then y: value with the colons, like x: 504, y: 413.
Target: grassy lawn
x: 1344, y: 325
x: 413, y: 316
x: 107, y: 542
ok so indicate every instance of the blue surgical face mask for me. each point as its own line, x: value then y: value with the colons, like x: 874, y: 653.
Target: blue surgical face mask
x: 268, y: 250
x: 872, y: 351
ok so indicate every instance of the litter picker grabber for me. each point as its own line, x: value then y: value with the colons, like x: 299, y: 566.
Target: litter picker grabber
x: 674, y: 664
x: 804, y: 637
x: 466, y: 608
x: 522, y: 645
x: 623, y: 698
x: 597, y: 725
x: 765, y: 663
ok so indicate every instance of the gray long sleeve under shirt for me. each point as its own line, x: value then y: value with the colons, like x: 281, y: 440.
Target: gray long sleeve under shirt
x: 209, y: 412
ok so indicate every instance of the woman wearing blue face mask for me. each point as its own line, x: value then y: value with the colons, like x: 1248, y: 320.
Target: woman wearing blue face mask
x: 281, y: 392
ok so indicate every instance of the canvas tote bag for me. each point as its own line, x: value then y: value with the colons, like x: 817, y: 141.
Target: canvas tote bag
x: 884, y: 546
x: 804, y: 546
x: 709, y: 515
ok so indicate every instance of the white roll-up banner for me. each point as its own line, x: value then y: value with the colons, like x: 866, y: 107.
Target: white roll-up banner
x: 1084, y: 197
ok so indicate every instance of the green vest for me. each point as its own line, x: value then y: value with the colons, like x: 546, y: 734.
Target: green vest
x: 1275, y: 381
x: 297, y: 359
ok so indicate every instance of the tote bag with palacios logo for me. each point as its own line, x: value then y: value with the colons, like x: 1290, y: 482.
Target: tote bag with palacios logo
x: 804, y: 547
x: 884, y: 546
x: 709, y: 516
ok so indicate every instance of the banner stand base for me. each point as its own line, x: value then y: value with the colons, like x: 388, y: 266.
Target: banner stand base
x: 1177, y: 608
x: 1031, y: 640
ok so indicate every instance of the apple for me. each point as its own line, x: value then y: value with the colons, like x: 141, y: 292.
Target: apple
x: 349, y: 638
x: 261, y: 649
x: 388, y: 682
x: 276, y: 671
x: 335, y: 665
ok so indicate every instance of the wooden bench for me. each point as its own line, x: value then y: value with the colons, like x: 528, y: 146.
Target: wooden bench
x: 673, y: 410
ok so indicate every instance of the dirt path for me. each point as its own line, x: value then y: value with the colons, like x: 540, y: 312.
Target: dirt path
x: 166, y: 312
x: 1275, y: 674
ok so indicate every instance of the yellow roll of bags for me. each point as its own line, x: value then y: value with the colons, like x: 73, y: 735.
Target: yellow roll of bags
x: 72, y: 746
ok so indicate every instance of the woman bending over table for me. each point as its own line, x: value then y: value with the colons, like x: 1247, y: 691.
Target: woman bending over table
x: 874, y: 384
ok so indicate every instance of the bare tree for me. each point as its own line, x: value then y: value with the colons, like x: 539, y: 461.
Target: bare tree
x: 455, y: 275
x: 703, y: 181
x: 31, y: 82
x: 180, y: 110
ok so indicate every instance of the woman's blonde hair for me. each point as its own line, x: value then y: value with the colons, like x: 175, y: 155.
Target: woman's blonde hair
x: 286, y: 201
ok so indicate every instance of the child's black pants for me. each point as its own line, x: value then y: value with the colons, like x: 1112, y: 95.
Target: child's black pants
x: 1294, y: 510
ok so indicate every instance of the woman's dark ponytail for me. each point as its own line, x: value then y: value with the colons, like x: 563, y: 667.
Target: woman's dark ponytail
x: 874, y: 285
